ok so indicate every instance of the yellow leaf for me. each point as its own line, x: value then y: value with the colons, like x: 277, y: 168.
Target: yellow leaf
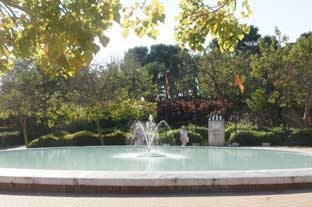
x: 125, y: 33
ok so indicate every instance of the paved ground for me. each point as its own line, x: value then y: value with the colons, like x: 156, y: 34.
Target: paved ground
x: 265, y: 199
x: 293, y: 198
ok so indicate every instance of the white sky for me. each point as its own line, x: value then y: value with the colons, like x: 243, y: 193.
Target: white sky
x: 293, y: 17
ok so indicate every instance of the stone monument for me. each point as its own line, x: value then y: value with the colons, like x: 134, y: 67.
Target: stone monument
x: 216, y: 133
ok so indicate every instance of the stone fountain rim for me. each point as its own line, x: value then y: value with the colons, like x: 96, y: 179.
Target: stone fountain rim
x: 50, y: 178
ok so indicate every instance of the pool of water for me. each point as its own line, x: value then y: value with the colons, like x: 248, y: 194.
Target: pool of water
x: 127, y: 158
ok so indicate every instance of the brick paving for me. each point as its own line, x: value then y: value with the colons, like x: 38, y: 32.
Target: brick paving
x: 288, y: 198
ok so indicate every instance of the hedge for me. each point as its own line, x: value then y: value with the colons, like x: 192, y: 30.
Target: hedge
x: 115, y: 138
x: 6, y: 129
x: 203, y: 131
x: 253, y: 137
x: 49, y: 140
x: 10, y: 139
x: 172, y: 137
x: 81, y: 138
x: 300, y: 137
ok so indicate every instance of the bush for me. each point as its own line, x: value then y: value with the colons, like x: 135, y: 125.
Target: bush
x: 49, y: 140
x: 302, y: 133
x: 252, y: 137
x: 81, y: 125
x: 115, y: 138
x: 172, y: 137
x: 203, y: 131
x: 84, y: 138
x: 300, y: 137
x: 63, y: 138
x: 6, y: 129
x: 228, y: 132
x: 10, y: 139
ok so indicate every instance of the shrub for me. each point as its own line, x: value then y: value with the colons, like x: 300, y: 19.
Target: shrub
x: 81, y: 125
x: 6, y: 129
x: 302, y: 133
x: 228, y: 131
x: 10, y: 138
x: 172, y: 137
x: 300, y: 137
x: 49, y: 140
x: 115, y: 138
x: 252, y: 137
x: 63, y: 138
x: 84, y: 138
x: 60, y: 134
x: 203, y: 131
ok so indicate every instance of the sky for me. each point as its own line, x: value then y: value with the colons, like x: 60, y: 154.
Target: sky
x: 292, y: 17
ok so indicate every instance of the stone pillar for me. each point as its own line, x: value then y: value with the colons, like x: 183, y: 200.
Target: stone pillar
x: 216, y: 134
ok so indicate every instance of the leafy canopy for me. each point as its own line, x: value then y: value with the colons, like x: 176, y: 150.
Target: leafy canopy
x: 197, y: 20
x: 60, y: 35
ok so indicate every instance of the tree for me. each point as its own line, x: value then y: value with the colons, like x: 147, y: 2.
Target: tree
x: 19, y: 94
x: 135, y: 78
x: 59, y: 36
x: 273, y: 91
x: 250, y: 42
x: 169, y: 61
x: 93, y: 90
x: 300, y: 66
x: 139, y: 53
x: 216, y: 73
x: 197, y: 20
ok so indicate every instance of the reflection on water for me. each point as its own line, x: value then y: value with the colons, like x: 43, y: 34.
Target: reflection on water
x: 177, y: 159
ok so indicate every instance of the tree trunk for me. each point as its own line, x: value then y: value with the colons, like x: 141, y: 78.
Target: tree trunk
x: 99, y: 130
x: 23, y: 122
x: 306, y: 114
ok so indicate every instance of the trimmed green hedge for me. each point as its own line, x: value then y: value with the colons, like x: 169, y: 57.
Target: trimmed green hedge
x: 10, y: 139
x: 6, y: 129
x: 115, y: 138
x: 252, y: 137
x: 172, y: 137
x: 82, y: 138
x: 49, y: 140
x: 203, y: 131
x: 300, y: 137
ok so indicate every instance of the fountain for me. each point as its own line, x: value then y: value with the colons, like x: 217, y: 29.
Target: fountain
x: 148, y: 132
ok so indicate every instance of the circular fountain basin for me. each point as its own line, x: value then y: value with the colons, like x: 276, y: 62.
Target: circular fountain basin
x: 133, y: 169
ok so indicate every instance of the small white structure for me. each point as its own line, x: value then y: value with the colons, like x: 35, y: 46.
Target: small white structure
x: 216, y: 133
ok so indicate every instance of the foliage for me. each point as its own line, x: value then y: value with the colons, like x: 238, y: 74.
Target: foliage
x: 198, y: 20
x: 203, y: 131
x: 253, y: 137
x: 11, y: 138
x: 5, y: 129
x: 181, y: 111
x: 48, y: 140
x: 60, y: 35
x: 300, y: 59
x: 115, y: 138
x: 307, y: 133
x: 81, y: 138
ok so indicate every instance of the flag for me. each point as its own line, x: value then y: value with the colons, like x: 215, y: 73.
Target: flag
x: 239, y: 82
x: 167, y: 86
x: 197, y: 87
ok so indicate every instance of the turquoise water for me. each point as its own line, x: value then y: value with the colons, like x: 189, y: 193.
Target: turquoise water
x: 177, y: 159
